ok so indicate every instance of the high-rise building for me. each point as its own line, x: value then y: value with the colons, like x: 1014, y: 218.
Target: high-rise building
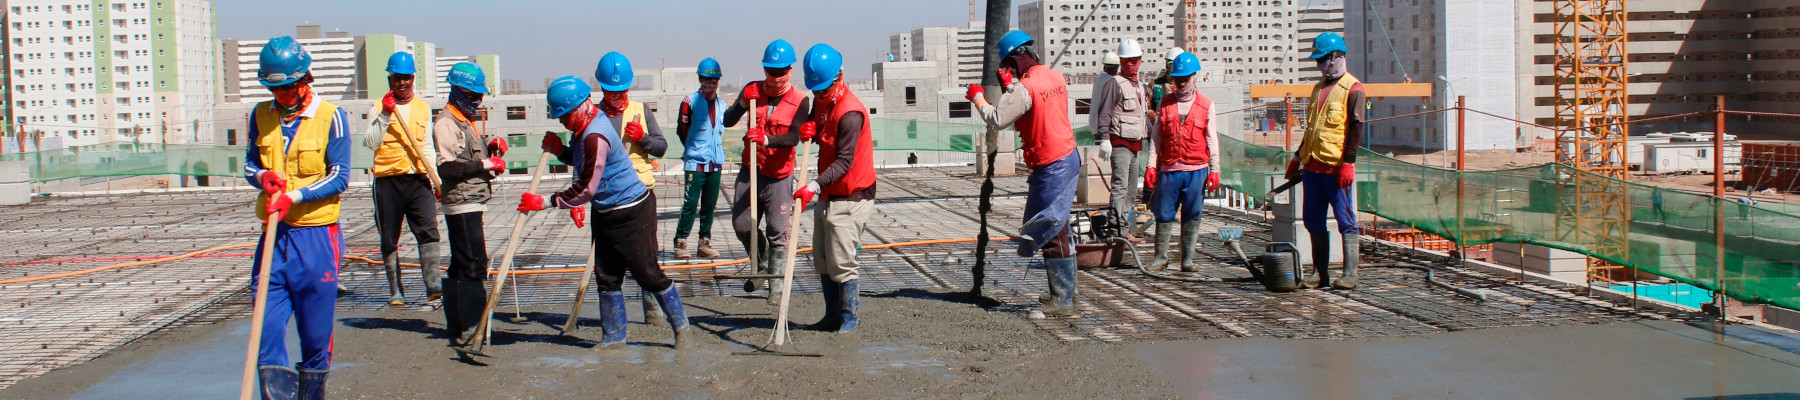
x: 1314, y: 20
x: 1072, y: 35
x: 82, y: 72
x: 348, y: 67
x: 1244, y: 41
x: 957, y: 51
x: 1464, y: 48
x: 490, y: 66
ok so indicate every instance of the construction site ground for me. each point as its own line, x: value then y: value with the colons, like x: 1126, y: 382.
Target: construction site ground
x: 178, y: 329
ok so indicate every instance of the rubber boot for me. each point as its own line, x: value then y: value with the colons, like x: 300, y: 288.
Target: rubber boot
x: 452, y: 302
x: 612, y: 319
x: 675, y: 314
x: 1190, y: 237
x: 312, y: 384
x: 706, y: 249
x: 834, y: 297
x: 847, y: 305
x: 1062, y: 287
x: 681, y: 250
x: 777, y: 264
x: 1321, y: 257
x: 1352, y: 253
x: 428, y: 267
x: 471, y: 301
x: 762, y: 267
x: 1164, y: 230
x: 396, y: 293
x: 279, y: 382
x: 653, y: 315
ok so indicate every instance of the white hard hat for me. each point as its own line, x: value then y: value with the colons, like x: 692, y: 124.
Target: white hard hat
x: 1173, y: 52
x: 1129, y: 48
x: 1109, y: 58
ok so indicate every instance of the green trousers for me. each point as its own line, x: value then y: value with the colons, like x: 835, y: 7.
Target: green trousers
x: 700, y: 199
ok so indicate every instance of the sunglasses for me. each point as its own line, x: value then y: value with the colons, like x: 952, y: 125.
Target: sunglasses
x: 285, y: 88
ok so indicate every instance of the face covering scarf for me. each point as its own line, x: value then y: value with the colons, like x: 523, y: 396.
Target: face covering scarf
x: 467, y: 102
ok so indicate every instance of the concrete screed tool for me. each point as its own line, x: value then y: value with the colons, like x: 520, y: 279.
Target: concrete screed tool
x: 779, y: 337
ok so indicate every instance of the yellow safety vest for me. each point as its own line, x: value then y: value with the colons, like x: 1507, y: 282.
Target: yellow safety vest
x: 302, y: 164
x: 396, y: 157
x: 1326, y: 121
x: 640, y: 158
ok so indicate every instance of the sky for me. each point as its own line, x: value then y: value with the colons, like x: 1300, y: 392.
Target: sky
x: 542, y: 39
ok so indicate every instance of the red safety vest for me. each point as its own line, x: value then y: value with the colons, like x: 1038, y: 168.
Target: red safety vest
x: 862, y: 168
x: 1045, y: 129
x: 775, y: 162
x: 1183, y: 140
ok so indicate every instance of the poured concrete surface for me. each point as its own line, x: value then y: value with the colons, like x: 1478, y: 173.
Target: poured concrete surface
x: 930, y: 345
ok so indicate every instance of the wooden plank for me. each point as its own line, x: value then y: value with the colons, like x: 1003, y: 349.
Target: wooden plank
x: 1369, y: 89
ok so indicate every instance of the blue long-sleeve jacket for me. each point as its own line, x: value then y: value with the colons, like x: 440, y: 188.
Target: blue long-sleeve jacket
x: 337, y: 156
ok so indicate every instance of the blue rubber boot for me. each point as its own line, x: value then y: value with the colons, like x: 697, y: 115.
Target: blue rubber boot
x: 677, y: 315
x: 612, y: 319
x: 1062, y: 287
x: 847, y: 305
x: 279, y: 382
x: 312, y: 384
x: 834, y: 296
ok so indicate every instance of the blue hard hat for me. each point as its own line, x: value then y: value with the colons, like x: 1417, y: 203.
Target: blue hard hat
x: 779, y: 54
x: 709, y: 68
x: 467, y: 75
x: 614, y: 72
x: 822, y: 66
x: 1012, y: 41
x: 566, y: 94
x: 282, y: 61
x: 1186, y: 64
x: 401, y: 63
x: 1326, y: 43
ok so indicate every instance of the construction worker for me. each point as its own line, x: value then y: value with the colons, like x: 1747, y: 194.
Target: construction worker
x: 845, y: 185
x: 1160, y: 86
x: 299, y: 156
x: 641, y: 135
x: 405, y: 187
x: 1326, y: 159
x: 1109, y: 67
x: 1119, y: 107
x: 1187, y: 145
x: 1038, y: 103
x: 700, y: 123
x: 468, y: 160
x: 779, y: 112
x: 624, y: 219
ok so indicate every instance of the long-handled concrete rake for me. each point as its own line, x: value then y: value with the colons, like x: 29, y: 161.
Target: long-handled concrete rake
x: 261, y: 301
x: 756, y: 230
x: 779, y: 337
x: 477, y: 343
x: 581, y: 288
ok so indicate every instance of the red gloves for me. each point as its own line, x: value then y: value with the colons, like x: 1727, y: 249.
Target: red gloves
x: 1150, y: 177
x: 388, y: 104
x: 552, y: 144
x: 529, y: 202
x: 494, y: 163
x: 634, y: 131
x: 497, y: 146
x: 752, y: 92
x: 1006, y: 77
x: 809, y: 130
x: 806, y: 193
x: 975, y: 91
x: 756, y: 136
x: 579, y: 214
x: 1346, y: 175
x: 1293, y: 171
x: 279, y: 205
x: 272, y: 183
x: 1212, y: 181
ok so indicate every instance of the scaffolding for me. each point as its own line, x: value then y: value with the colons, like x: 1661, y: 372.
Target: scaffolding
x: 1591, y: 101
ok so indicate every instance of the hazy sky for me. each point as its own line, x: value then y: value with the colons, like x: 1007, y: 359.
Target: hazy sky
x: 539, y: 39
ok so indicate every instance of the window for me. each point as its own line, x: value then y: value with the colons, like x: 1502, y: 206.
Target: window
x: 961, y: 109
x: 231, y: 137
x: 912, y: 96
x: 1082, y: 106
x: 515, y: 113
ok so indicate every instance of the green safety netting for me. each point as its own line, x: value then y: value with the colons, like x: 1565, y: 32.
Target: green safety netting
x: 1666, y: 232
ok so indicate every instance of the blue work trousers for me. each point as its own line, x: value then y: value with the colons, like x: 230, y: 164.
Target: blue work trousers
x: 1050, y: 196
x: 1322, y: 190
x: 303, y: 286
x: 1179, y: 193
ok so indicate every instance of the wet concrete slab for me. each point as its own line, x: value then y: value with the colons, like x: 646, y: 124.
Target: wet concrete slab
x: 1628, y: 360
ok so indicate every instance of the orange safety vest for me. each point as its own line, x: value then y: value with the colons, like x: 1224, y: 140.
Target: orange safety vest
x: 862, y: 168
x: 1045, y: 129
x: 1183, y: 140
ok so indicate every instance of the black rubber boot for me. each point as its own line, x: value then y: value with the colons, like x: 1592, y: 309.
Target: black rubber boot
x: 452, y: 302
x: 1352, y: 255
x: 279, y: 382
x: 396, y: 292
x: 1061, y: 301
x: 312, y: 384
x: 1164, y: 232
x: 1321, y: 258
x: 847, y: 305
x: 834, y: 295
x: 471, y: 300
x: 1190, y: 237
x: 428, y: 267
